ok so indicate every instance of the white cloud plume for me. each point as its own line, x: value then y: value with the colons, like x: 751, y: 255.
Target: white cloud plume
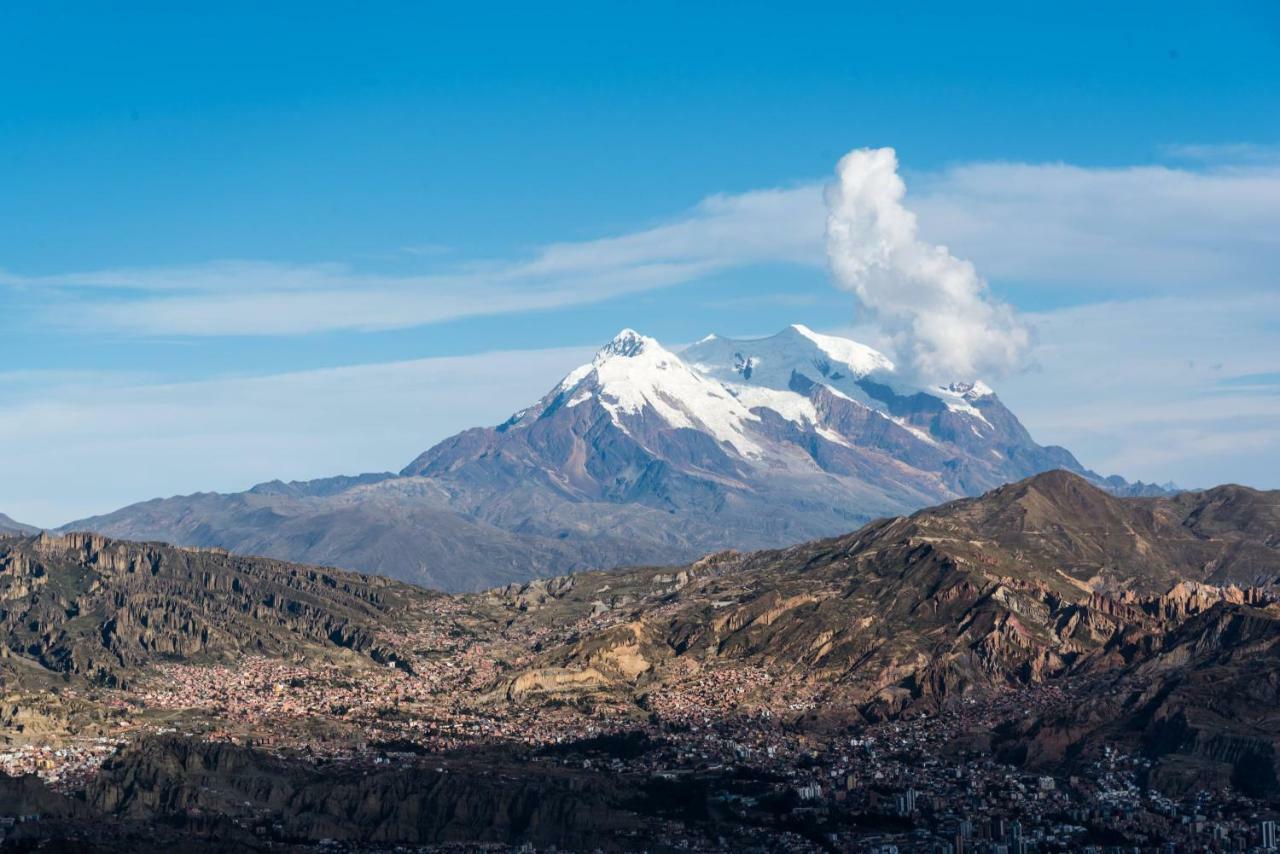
x: 943, y: 320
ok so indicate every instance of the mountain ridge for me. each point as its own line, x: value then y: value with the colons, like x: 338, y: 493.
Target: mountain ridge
x: 914, y: 614
x: 640, y: 456
x: 8, y: 525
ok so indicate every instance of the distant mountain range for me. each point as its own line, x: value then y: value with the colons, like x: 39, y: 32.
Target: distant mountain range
x: 9, y: 526
x: 640, y: 456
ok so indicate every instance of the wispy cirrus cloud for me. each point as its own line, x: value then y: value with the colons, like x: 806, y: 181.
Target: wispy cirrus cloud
x: 1092, y: 231
x: 265, y: 298
x: 1224, y: 152
x: 1148, y: 229
x: 1166, y: 388
x: 79, y: 443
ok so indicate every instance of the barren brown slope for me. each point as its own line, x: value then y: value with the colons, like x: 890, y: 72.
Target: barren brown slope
x: 86, y: 606
x: 1057, y: 521
x: 1027, y: 583
x: 1203, y: 704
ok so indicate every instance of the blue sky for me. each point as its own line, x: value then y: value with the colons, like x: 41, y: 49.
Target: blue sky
x: 192, y: 202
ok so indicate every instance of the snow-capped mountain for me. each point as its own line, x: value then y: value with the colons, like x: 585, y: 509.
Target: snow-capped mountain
x: 755, y: 415
x: 634, y: 377
x: 642, y: 455
x: 770, y: 362
x: 798, y: 357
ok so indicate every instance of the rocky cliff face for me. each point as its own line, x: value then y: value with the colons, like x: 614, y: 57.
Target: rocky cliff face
x: 1200, y: 699
x: 84, y: 605
x: 641, y: 456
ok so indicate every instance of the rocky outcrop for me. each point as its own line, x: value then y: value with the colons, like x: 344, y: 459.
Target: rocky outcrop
x: 89, y: 606
x: 1200, y: 700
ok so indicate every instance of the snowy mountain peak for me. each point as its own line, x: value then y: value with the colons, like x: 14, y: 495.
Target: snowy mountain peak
x: 797, y: 350
x: 722, y: 387
x: 770, y: 437
x: 858, y: 357
x: 628, y: 344
x: 628, y: 347
x: 634, y: 375
x: 969, y: 391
